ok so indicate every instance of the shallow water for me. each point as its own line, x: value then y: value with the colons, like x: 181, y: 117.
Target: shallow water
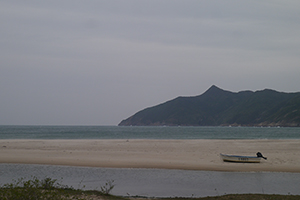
x: 160, y: 182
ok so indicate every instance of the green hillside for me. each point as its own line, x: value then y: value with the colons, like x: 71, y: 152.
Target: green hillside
x: 217, y: 107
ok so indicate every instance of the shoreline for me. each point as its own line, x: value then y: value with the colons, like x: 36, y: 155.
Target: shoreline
x: 201, y: 154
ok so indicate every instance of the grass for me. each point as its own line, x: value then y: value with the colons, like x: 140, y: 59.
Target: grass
x: 35, y: 189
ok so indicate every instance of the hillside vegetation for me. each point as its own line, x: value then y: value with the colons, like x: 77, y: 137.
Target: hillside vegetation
x: 217, y: 107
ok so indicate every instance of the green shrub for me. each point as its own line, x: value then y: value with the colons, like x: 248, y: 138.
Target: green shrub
x: 35, y: 189
x: 107, y: 188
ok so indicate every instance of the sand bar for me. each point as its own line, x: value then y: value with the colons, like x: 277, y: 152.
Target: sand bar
x: 283, y: 155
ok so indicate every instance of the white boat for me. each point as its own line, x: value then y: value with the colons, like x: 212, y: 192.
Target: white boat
x: 244, y: 159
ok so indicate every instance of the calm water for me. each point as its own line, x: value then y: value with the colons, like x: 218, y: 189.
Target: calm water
x: 160, y: 182
x: 116, y: 132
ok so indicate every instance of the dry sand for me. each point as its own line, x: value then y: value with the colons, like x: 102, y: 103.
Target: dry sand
x: 283, y: 155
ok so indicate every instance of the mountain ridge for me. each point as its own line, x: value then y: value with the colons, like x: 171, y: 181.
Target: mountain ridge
x: 218, y: 107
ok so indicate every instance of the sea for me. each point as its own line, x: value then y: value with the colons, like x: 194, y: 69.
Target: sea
x: 154, y: 182
x: 147, y: 132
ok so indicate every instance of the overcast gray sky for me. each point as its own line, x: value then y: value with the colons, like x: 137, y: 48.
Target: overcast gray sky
x: 96, y: 62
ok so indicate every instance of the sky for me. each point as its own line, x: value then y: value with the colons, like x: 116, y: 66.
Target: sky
x: 97, y: 62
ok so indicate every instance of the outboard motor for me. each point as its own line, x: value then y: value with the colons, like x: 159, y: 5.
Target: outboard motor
x: 260, y: 155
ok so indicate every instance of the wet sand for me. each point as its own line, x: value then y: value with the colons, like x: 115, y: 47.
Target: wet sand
x: 283, y: 155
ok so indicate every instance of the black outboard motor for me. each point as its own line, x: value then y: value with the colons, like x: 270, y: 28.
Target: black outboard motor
x: 260, y: 155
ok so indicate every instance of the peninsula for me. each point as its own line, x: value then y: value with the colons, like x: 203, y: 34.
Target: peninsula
x: 218, y: 107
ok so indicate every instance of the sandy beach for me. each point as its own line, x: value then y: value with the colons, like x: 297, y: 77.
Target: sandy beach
x: 283, y: 155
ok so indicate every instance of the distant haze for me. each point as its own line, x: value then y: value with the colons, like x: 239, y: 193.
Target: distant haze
x: 93, y: 62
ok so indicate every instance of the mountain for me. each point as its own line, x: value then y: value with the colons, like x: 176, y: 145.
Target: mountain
x: 217, y: 107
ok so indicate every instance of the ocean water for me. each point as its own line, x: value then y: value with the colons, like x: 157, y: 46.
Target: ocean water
x: 161, y: 132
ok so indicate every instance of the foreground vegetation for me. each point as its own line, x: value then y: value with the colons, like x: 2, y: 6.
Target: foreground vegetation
x: 35, y: 189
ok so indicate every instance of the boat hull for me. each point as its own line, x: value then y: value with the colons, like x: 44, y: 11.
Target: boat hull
x: 241, y: 159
